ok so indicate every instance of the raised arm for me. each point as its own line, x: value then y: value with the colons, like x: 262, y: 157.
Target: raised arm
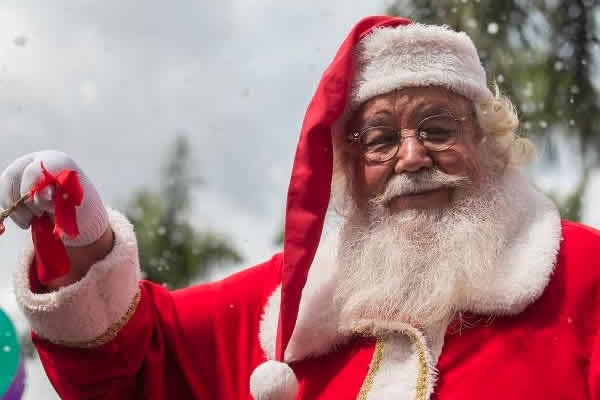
x: 100, y: 332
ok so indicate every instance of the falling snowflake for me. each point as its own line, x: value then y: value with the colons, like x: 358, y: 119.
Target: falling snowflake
x: 492, y: 28
x: 20, y: 41
x: 528, y: 89
x: 528, y: 107
x: 559, y: 65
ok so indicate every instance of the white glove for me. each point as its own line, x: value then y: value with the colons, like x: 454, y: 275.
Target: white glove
x: 20, y: 177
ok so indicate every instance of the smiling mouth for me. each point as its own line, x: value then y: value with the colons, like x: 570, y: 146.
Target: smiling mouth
x: 420, y: 194
x: 432, y: 198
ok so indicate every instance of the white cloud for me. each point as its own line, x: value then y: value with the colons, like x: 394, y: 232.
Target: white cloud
x: 89, y: 92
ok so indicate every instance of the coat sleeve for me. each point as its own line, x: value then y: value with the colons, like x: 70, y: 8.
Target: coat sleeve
x: 594, y: 370
x: 109, y: 335
x: 594, y: 379
x: 587, y: 288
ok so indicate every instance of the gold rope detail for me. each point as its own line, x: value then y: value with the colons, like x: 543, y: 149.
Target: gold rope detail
x: 373, y: 368
x: 423, y: 366
x: 110, y: 333
x: 421, y: 390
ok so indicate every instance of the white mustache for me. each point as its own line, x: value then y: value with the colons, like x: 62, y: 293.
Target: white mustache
x: 418, y: 182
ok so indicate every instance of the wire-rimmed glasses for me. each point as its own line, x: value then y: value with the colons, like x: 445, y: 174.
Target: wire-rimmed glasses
x: 381, y: 143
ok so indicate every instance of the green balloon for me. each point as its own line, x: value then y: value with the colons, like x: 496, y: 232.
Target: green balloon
x: 10, y: 353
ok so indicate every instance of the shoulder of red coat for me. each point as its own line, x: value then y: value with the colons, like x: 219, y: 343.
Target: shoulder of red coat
x: 262, y: 278
x: 579, y: 236
x: 581, y: 228
x: 579, y: 257
x: 249, y: 285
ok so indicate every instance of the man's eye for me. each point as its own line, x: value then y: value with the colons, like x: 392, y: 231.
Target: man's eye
x: 380, y: 136
x: 435, y: 135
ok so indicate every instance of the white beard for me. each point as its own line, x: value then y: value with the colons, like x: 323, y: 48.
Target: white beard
x: 417, y: 266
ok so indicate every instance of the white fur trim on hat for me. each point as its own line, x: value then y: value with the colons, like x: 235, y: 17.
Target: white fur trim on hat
x: 418, y: 55
x: 85, y: 310
x: 273, y: 380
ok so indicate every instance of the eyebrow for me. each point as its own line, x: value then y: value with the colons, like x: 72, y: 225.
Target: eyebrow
x: 432, y: 109
x: 379, y: 118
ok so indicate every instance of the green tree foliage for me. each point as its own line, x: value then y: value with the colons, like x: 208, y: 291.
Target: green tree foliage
x: 172, y: 251
x: 278, y: 240
x: 543, y: 54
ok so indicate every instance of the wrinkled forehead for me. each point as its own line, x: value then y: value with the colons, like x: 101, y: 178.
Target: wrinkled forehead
x: 414, y: 102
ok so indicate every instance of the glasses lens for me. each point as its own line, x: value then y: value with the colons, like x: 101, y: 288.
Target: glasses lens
x: 380, y: 143
x: 439, y: 132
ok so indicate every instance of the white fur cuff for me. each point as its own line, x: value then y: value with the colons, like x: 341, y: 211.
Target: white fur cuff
x: 86, y: 310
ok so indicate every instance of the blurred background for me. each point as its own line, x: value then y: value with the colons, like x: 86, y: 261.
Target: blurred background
x: 185, y: 113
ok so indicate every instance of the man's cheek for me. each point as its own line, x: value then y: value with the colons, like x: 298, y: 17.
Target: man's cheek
x: 375, y: 178
x: 459, y: 162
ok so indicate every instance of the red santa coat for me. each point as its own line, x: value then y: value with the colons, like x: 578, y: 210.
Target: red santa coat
x: 531, y: 332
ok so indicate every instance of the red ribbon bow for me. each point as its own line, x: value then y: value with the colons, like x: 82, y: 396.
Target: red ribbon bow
x: 52, y: 260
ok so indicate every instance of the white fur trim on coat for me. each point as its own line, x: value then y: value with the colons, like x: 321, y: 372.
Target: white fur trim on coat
x: 528, y: 262
x: 316, y: 310
x: 83, y: 311
x: 418, y: 55
x: 399, y: 368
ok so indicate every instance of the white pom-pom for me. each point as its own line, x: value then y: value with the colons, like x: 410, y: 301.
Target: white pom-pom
x: 273, y: 380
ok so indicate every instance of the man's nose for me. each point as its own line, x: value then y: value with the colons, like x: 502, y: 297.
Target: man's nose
x: 412, y: 155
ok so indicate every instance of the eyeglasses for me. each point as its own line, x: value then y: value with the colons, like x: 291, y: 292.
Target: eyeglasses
x: 436, y: 133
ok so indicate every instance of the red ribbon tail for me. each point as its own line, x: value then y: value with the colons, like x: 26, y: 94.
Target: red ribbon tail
x: 68, y: 195
x: 53, y: 259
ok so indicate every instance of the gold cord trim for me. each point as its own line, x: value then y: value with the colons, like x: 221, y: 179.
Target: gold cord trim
x: 421, y: 391
x: 110, y: 333
x: 373, y: 368
x: 423, y: 366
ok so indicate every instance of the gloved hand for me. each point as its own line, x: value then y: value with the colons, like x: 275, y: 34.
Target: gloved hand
x: 20, y: 177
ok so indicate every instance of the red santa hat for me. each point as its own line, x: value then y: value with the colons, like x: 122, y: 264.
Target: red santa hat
x: 380, y: 54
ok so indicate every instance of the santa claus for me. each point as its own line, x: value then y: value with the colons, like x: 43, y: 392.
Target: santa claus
x: 450, y: 276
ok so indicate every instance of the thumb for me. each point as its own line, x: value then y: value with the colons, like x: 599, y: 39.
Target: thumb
x: 43, y: 201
